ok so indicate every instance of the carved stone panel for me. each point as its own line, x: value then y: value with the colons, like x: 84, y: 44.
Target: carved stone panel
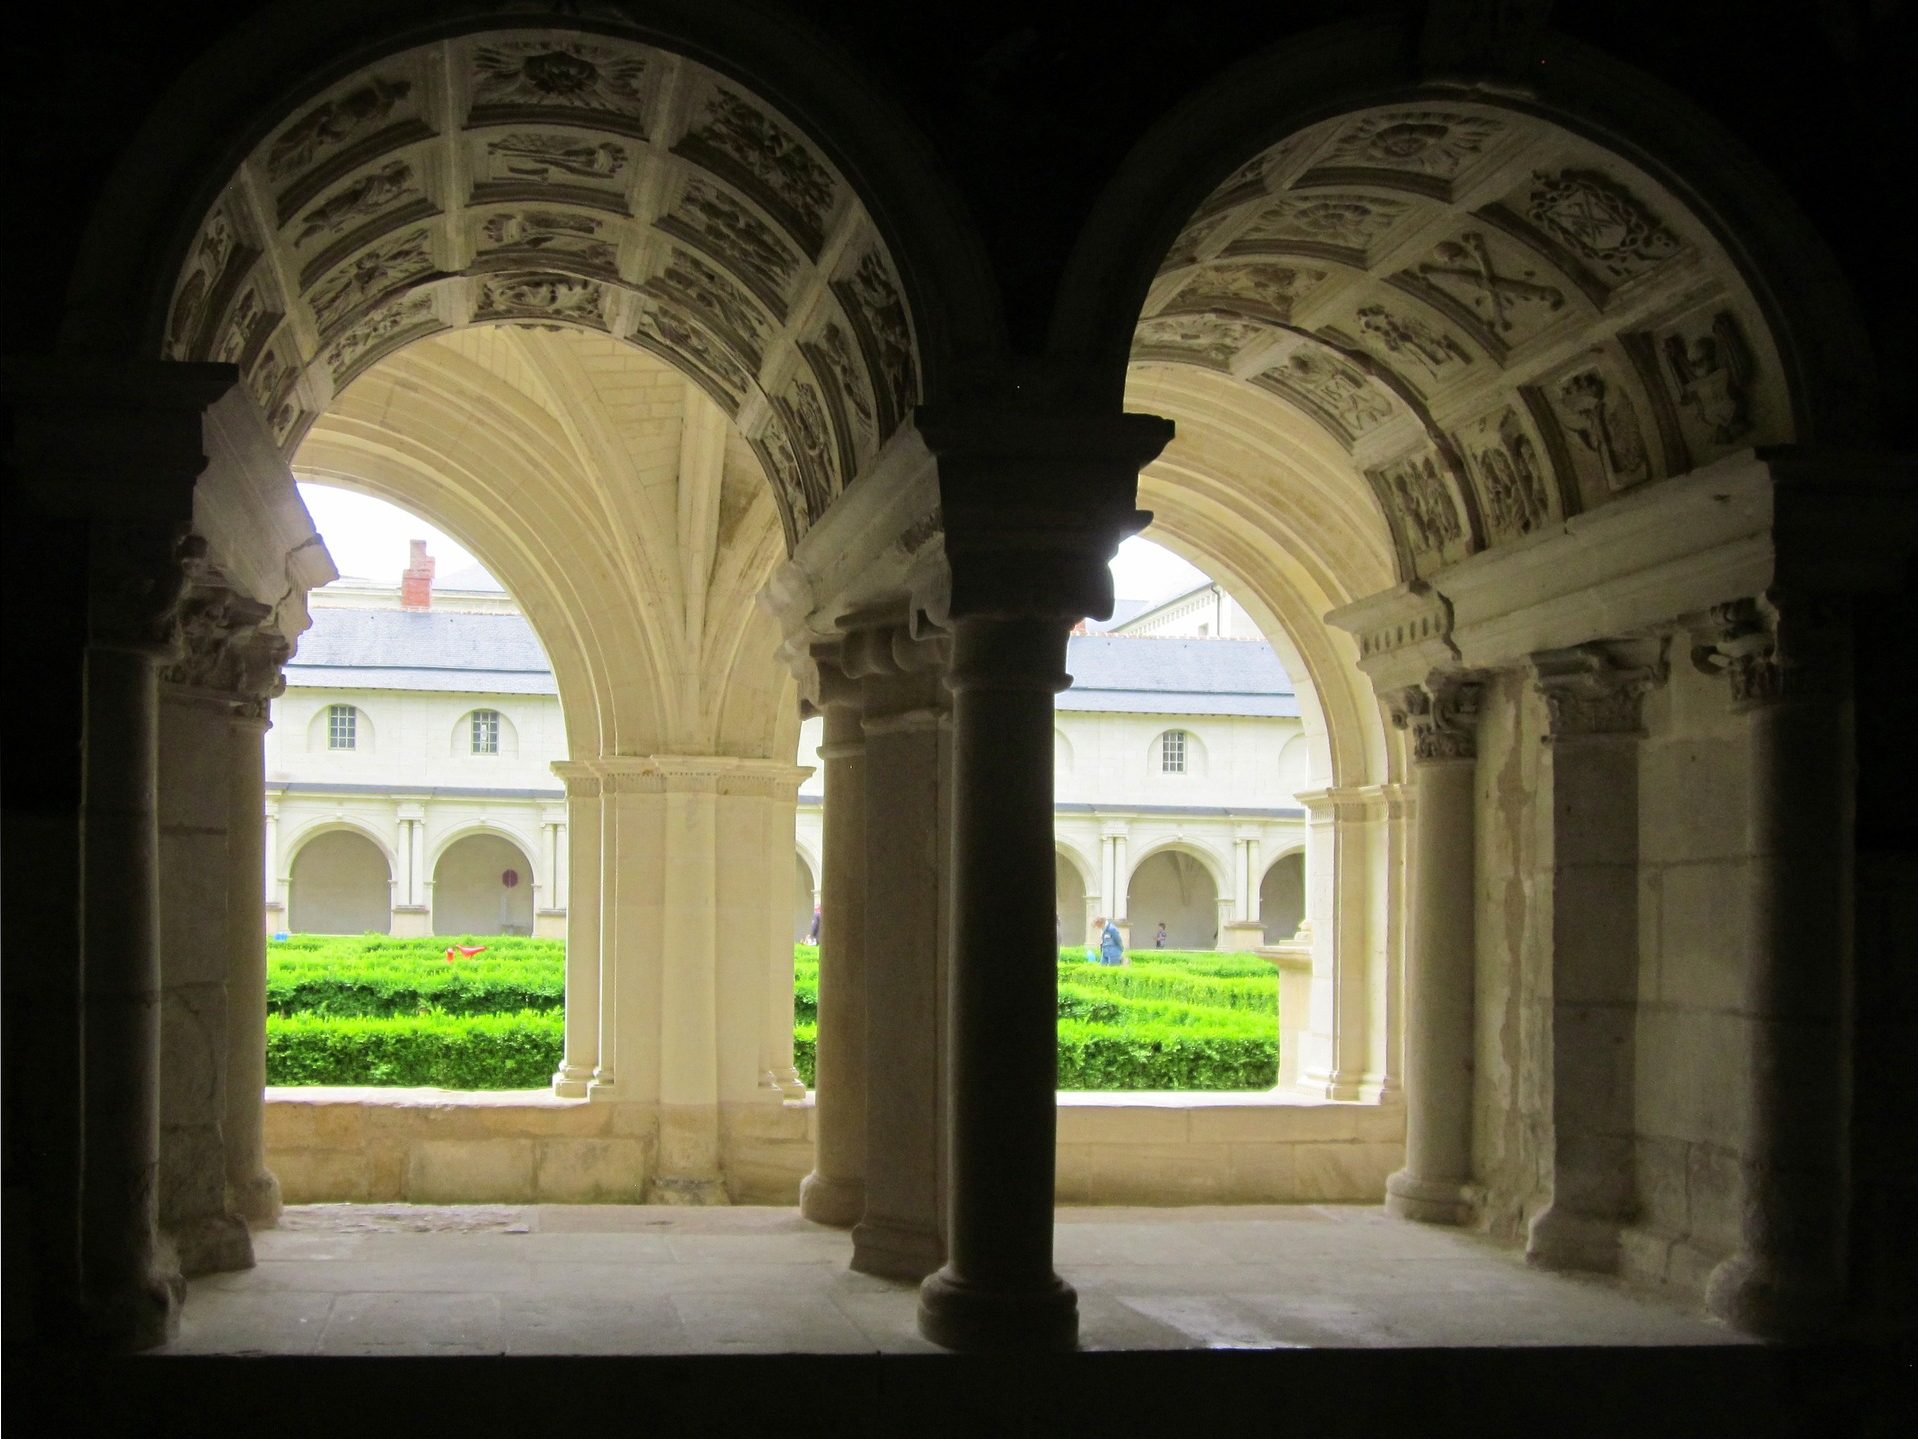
x: 748, y: 148
x: 712, y: 220
x: 565, y: 80
x: 549, y: 295
x: 380, y: 333
x: 1332, y: 226
x: 725, y: 308
x: 678, y: 338
x: 1262, y: 289
x: 247, y: 328
x: 551, y: 166
x: 1421, y: 150
x: 1211, y: 338
x: 810, y: 432
x: 1331, y: 390
x: 355, y: 212
x: 375, y: 115
x: 1425, y: 352
x: 775, y: 450
x: 1713, y: 379
x: 870, y: 297
x: 1606, y: 439
x: 1508, y: 467
x: 1595, y: 221
x: 1194, y: 241
x: 369, y: 277
x: 1419, y: 498
x: 215, y: 268
x: 843, y: 386
x: 1500, y: 293
x: 557, y: 238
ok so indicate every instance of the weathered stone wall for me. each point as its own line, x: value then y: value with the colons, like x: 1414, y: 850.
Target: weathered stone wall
x: 429, y: 1146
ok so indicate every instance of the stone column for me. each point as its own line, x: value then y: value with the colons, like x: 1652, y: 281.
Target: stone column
x: 835, y: 1191
x: 275, y: 909
x: 1592, y: 696
x: 1344, y: 843
x: 1790, y: 666
x: 576, y: 1067
x: 252, y: 1191
x: 902, y: 1233
x: 1442, y: 716
x: 777, y: 1072
x: 411, y: 913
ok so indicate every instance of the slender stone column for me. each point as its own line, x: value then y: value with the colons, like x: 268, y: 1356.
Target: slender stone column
x: 1790, y: 668
x: 835, y: 1191
x: 275, y: 916
x: 777, y: 1072
x: 1442, y: 717
x: 688, y: 1040
x: 1592, y: 696
x: 252, y: 1191
x: 902, y: 1233
x: 575, y: 1071
x: 998, y: 1289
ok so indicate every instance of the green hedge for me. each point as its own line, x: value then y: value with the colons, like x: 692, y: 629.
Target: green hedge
x: 1092, y: 1057
x: 485, y: 1051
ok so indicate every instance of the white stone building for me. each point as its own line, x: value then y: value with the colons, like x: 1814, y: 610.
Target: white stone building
x: 410, y: 784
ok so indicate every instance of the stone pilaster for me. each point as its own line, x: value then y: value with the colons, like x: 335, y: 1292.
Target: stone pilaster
x: 1593, y: 695
x: 1442, y: 717
x: 575, y: 1071
x: 908, y: 797
x: 835, y: 1192
x: 1788, y: 662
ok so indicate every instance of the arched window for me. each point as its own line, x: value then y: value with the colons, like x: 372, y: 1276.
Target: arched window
x: 485, y: 731
x: 342, y: 727
x: 1172, y: 752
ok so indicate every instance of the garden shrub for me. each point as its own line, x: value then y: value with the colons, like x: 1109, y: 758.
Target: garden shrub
x: 485, y: 1051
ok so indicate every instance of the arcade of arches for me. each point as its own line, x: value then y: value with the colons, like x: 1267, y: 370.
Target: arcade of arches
x: 1515, y: 429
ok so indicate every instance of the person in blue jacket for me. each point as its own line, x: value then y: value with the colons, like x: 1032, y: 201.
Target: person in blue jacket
x: 1111, y: 945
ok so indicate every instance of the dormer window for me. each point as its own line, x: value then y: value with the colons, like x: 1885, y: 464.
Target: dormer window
x: 485, y: 731
x: 342, y: 727
x: 1172, y: 752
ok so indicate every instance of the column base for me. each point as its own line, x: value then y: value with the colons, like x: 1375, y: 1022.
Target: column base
x: 141, y: 1316
x: 972, y: 1319
x: 1761, y: 1299
x: 604, y: 1090
x: 786, y: 1081
x: 213, y: 1244
x: 1559, y: 1239
x: 895, y: 1251
x: 572, y: 1083
x: 257, y: 1201
x: 1427, y: 1201
x: 831, y: 1201
x: 688, y: 1193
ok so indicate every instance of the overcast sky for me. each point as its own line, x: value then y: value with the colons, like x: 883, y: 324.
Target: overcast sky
x: 367, y: 539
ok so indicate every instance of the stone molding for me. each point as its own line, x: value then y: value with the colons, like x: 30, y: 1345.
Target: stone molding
x: 687, y: 773
x: 1591, y: 690
x: 1441, y: 715
x: 579, y: 777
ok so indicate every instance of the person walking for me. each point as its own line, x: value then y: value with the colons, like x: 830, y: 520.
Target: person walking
x: 1158, y: 940
x: 1111, y: 943
x: 812, y: 935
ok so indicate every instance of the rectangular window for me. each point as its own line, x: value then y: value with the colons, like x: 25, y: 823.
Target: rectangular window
x: 485, y: 731
x: 342, y: 727
x: 1172, y: 751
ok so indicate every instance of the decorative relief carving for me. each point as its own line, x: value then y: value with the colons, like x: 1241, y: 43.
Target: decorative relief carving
x: 1509, y: 302
x: 1193, y: 242
x: 1427, y: 142
x: 413, y: 312
x: 811, y: 437
x: 776, y: 453
x: 1248, y: 181
x: 1265, y: 290
x: 1441, y: 715
x: 328, y: 126
x: 744, y: 144
x: 878, y: 317
x: 246, y: 328
x: 1511, y: 476
x: 1340, y: 227
x: 696, y: 285
x: 845, y: 392
x: 1422, y: 501
x: 1776, y: 648
x: 270, y: 378
x: 678, y: 339
x: 1588, y: 691
x: 212, y: 621
x: 1406, y: 337
x: 1712, y: 373
x: 213, y: 255
x: 528, y: 155
x: 1599, y: 416
x: 543, y: 295
x: 553, y: 235
x: 708, y: 216
x: 557, y: 77
x: 1600, y: 221
x: 1334, y: 392
x: 369, y: 277
x: 367, y: 196
x: 1212, y: 338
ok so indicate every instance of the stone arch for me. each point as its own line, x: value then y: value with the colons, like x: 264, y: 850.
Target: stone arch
x: 1161, y: 888
x: 1282, y: 895
x: 730, y: 195
x: 470, y: 897
x: 345, y: 894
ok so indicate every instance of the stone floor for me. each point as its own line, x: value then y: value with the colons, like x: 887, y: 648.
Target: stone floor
x: 343, y: 1279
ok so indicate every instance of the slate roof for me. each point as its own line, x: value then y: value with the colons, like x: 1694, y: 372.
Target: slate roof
x: 467, y: 653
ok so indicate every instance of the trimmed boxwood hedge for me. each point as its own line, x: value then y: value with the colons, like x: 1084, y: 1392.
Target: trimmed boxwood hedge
x: 468, y: 1051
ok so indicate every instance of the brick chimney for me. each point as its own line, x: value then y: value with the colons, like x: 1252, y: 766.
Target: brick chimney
x: 416, y: 581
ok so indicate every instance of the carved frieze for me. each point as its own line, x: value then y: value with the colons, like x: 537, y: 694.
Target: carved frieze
x: 364, y: 198
x: 1712, y: 374
x: 1332, y: 391
x: 1212, y: 338
x: 1441, y: 715
x: 539, y: 295
x: 1605, y: 440
x: 675, y: 336
x: 1505, y: 460
x: 1262, y: 289
x: 370, y: 277
x: 1599, y: 222
x: 741, y: 143
x: 726, y: 309
x: 564, y: 80
x: 776, y: 454
x: 1334, y: 226
x: 550, y: 237
x: 810, y: 433
x: 878, y: 317
x: 379, y: 332
x: 531, y: 155
x: 1487, y: 286
x: 1590, y: 690
x: 708, y: 217
x: 844, y: 388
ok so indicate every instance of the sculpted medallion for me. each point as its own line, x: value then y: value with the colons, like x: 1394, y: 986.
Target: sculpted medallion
x: 1599, y: 221
x: 556, y: 76
x: 1430, y: 142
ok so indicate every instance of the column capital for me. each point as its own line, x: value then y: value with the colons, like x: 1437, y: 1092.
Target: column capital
x: 1441, y: 714
x: 1597, y: 689
x: 1776, y: 647
x: 579, y: 777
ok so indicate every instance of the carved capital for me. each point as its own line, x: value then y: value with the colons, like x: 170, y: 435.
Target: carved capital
x: 1593, y: 690
x: 1441, y: 714
x: 138, y: 584
x: 221, y: 644
x: 1776, y: 648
